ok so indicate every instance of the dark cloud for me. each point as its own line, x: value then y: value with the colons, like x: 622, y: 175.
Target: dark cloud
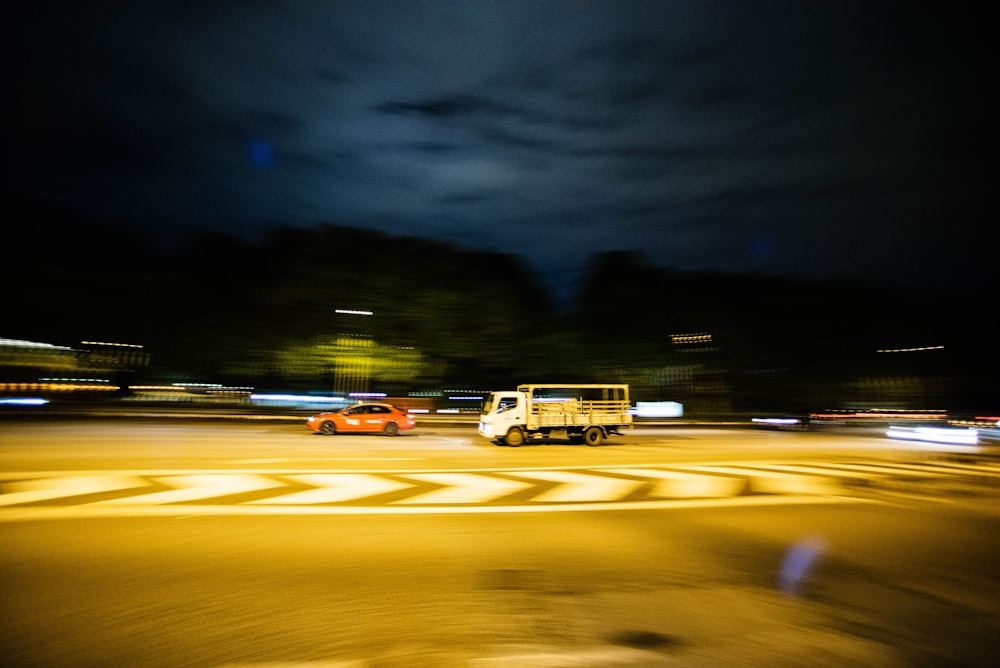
x: 837, y: 139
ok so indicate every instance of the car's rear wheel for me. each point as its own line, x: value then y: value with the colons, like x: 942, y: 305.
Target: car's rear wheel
x: 391, y: 429
x: 328, y: 429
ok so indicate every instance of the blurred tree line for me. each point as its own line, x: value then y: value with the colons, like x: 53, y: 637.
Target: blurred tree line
x: 270, y: 313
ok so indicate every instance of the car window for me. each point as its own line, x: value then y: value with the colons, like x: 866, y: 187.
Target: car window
x: 379, y: 409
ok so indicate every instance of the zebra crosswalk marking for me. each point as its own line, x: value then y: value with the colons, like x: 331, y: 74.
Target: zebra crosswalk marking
x: 986, y: 468
x: 464, y: 488
x: 282, y: 491
x: 333, y: 488
x: 48, y: 489
x: 683, y: 485
x: 770, y: 482
x: 887, y: 469
x: 574, y: 486
x: 195, y: 487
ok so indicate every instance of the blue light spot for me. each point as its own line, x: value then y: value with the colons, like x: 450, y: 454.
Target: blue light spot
x: 763, y: 247
x: 261, y: 154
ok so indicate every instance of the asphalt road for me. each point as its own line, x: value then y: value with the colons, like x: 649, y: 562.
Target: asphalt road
x: 164, y: 542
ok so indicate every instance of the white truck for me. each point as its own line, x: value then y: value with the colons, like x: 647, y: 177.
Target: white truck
x: 583, y: 413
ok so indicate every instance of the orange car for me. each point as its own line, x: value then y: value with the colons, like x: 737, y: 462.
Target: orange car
x: 362, y: 418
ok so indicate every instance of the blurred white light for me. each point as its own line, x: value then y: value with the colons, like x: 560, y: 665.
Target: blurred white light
x: 24, y: 401
x: 658, y: 409
x: 776, y: 420
x: 935, y: 435
x: 17, y: 343
x: 296, y: 398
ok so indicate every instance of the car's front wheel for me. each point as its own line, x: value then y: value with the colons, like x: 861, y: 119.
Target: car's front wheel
x: 391, y: 429
x: 328, y: 428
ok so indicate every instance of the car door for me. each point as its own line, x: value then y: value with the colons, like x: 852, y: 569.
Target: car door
x: 377, y: 417
x: 354, y: 419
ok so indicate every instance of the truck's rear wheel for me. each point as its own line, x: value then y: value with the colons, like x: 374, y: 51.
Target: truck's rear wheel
x: 515, y: 437
x: 593, y: 436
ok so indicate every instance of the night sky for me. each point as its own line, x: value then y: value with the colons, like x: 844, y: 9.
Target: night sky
x: 817, y: 139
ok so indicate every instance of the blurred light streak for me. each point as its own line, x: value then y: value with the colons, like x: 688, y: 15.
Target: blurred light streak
x: 17, y: 343
x: 882, y: 415
x: 658, y: 409
x: 58, y: 387
x: 935, y: 435
x: 296, y: 398
x: 776, y: 420
x: 701, y: 337
x: 105, y: 343
x: 24, y: 401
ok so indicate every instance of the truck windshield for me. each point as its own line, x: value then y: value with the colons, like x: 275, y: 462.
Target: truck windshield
x: 494, y: 403
x: 506, y: 403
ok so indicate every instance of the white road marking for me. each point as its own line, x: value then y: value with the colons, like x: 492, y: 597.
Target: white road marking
x: 463, y: 443
x: 674, y: 486
x: 194, y: 487
x: 548, y: 658
x: 464, y: 488
x: 768, y: 482
x: 682, y: 485
x: 580, y: 486
x: 91, y: 511
x: 335, y: 487
x: 986, y: 468
x: 285, y: 460
x: 930, y: 467
x: 822, y: 469
x: 45, y: 489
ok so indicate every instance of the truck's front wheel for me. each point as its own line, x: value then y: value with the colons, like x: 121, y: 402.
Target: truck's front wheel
x: 515, y: 437
x: 593, y: 436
